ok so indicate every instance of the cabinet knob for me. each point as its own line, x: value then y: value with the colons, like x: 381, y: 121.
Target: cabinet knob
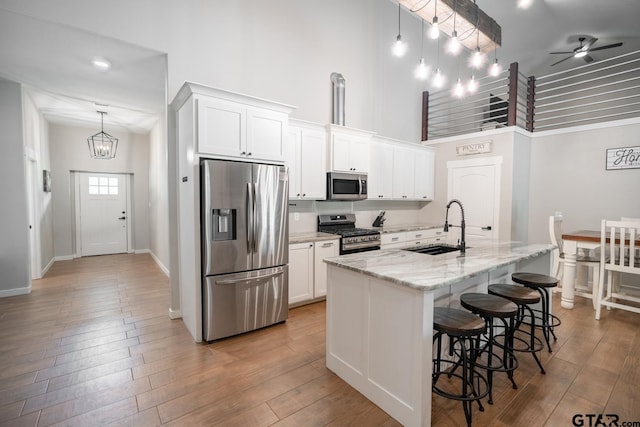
x: 249, y: 153
x: 298, y: 194
x: 243, y: 153
x: 304, y: 194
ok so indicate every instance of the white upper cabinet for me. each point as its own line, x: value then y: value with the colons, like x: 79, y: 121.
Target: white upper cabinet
x: 349, y: 149
x: 235, y: 126
x: 400, y: 170
x: 424, y: 174
x: 306, y: 154
x: 403, y: 173
x: 381, y: 171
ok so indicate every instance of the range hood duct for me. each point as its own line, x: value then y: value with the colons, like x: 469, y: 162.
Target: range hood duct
x: 338, y: 99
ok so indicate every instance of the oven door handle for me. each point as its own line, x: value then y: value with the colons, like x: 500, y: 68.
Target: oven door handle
x: 350, y: 246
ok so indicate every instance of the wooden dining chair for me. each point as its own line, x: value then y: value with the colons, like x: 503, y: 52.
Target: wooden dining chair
x: 592, y: 263
x: 618, y: 257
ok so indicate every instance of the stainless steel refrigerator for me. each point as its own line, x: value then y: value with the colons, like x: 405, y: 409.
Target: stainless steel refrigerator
x: 245, y: 226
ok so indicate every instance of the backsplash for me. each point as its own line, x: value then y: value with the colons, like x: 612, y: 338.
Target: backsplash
x: 303, y: 214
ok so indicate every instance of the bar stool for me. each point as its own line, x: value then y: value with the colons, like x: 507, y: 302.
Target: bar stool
x: 523, y: 298
x: 491, y: 307
x: 459, y: 326
x: 541, y: 283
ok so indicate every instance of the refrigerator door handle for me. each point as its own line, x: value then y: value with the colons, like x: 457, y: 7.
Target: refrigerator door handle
x: 254, y: 233
x: 250, y: 214
x: 248, y: 279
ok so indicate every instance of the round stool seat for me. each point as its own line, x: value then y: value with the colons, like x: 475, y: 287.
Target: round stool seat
x: 456, y: 322
x: 517, y: 294
x: 535, y: 280
x: 488, y: 305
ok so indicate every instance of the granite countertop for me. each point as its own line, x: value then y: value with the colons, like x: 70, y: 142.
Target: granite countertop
x: 312, y: 236
x: 429, y: 272
x: 406, y: 227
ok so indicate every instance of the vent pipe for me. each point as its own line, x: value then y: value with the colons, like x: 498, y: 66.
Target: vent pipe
x: 338, y: 99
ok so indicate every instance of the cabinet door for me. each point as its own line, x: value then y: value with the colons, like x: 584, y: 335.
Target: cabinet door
x: 313, y: 174
x: 292, y: 161
x: 381, y: 172
x: 340, y: 145
x: 403, y: 173
x: 424, y: 174
x: 393, y: 240
x: 300, y: 272
x: 265, y: 135
x: 359, y: 154
x: 323, y: 250
x: 221, y: 128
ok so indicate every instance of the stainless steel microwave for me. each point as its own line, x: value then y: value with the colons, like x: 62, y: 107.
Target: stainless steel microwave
x: 346, y: 186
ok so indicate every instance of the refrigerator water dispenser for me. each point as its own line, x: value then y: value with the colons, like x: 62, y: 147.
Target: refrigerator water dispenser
x: 224, y: 224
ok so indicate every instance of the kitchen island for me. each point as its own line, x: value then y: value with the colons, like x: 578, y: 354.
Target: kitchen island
x: 380, y: 315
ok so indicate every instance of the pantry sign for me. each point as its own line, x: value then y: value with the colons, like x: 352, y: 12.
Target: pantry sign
x: 623, y: 158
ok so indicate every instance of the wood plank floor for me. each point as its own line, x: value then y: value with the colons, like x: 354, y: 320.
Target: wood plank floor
x: 93, y: 345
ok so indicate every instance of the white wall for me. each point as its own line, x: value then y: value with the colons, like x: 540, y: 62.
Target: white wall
x: 158, y: 196
x: 279, y: 49
x: 14, y: 218
x: 36, y: 139
x: 568, y: 175
x: 69, y: 152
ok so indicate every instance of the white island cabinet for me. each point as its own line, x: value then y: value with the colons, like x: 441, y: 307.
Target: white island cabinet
x: 380, y: 315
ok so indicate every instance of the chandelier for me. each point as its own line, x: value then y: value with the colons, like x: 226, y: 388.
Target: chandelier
x: 102, y: 145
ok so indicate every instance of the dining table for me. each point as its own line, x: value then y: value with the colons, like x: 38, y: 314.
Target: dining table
x: 572, y: 243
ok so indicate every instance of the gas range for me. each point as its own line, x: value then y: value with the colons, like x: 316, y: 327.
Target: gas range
x: 352, y: 239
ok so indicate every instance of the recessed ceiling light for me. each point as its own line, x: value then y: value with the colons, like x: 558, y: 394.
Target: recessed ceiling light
x: 524, y: 4
x: 100, y: 63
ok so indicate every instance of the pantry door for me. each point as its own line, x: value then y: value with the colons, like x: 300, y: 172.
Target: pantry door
x: 104, y: 217
x: 476, y: 183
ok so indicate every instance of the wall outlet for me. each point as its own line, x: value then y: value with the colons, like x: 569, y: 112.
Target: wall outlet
x: 296, y: 216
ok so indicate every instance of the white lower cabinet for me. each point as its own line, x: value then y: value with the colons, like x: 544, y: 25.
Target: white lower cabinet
x: 406, y: 239
x: 307, y: 271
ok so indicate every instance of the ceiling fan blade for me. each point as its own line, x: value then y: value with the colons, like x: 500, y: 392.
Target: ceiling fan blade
x: 562, y: 60
x: 587, y: 58
x: 609, y: 46
x: 590, y: 43
x: 560, y: 53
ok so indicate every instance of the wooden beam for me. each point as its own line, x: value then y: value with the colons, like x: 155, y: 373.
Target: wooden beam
x: 512, y: 110
x: 531, y: 93
x: 425, y: 115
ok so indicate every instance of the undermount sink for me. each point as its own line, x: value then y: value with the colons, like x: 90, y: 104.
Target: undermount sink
x: 434, y: 250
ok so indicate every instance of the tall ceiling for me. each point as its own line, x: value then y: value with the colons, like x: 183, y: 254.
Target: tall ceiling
x: 54, y: 63
x: 54, y: 59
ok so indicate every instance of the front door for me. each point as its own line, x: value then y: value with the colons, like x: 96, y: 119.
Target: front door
x: 103, y: 213
x: 476, y: 183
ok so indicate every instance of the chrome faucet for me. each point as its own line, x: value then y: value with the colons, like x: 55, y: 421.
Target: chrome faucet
x: 462, y: 245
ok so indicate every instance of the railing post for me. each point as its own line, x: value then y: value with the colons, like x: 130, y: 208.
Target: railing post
x: 512, y: 110
x: 531, y: 94
x: 425, y: 115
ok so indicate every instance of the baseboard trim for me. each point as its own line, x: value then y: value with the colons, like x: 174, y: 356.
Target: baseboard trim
x: 175, y: 314
x: 164, y: 269
x: 47, y: 267
x: 13, y: 292
x: 141, y: 251
x: 64, y: 258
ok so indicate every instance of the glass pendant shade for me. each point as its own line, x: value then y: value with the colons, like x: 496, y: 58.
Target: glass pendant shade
x: 102, y: 145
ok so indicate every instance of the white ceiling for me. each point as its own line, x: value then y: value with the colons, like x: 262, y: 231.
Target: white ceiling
x: 66, y: 87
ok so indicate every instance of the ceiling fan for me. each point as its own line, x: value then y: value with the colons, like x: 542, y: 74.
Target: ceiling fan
x: 583, y: 50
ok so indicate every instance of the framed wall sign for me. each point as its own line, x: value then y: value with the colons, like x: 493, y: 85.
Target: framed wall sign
x: 46, y: 181
x: 623, y: 158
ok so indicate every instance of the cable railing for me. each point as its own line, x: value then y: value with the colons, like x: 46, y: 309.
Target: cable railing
x: 497, y: 102
x: 597, y: 92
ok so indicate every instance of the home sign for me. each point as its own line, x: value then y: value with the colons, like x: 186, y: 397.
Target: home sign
x: 623, y: 158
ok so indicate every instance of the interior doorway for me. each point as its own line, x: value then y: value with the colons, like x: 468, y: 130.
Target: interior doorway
x: 33, y: 188
x: 476, y: 183
x: 103, y: 213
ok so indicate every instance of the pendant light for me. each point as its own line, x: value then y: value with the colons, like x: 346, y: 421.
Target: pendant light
x: 439, y: 79
x: 434, y: 31
x: 495, y: 69
x: 477, y: 57
x: 102, y: 145
x: 399, y: 48
x: 472, y: 84
x: 453, y: 45
x: 422, y: 70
